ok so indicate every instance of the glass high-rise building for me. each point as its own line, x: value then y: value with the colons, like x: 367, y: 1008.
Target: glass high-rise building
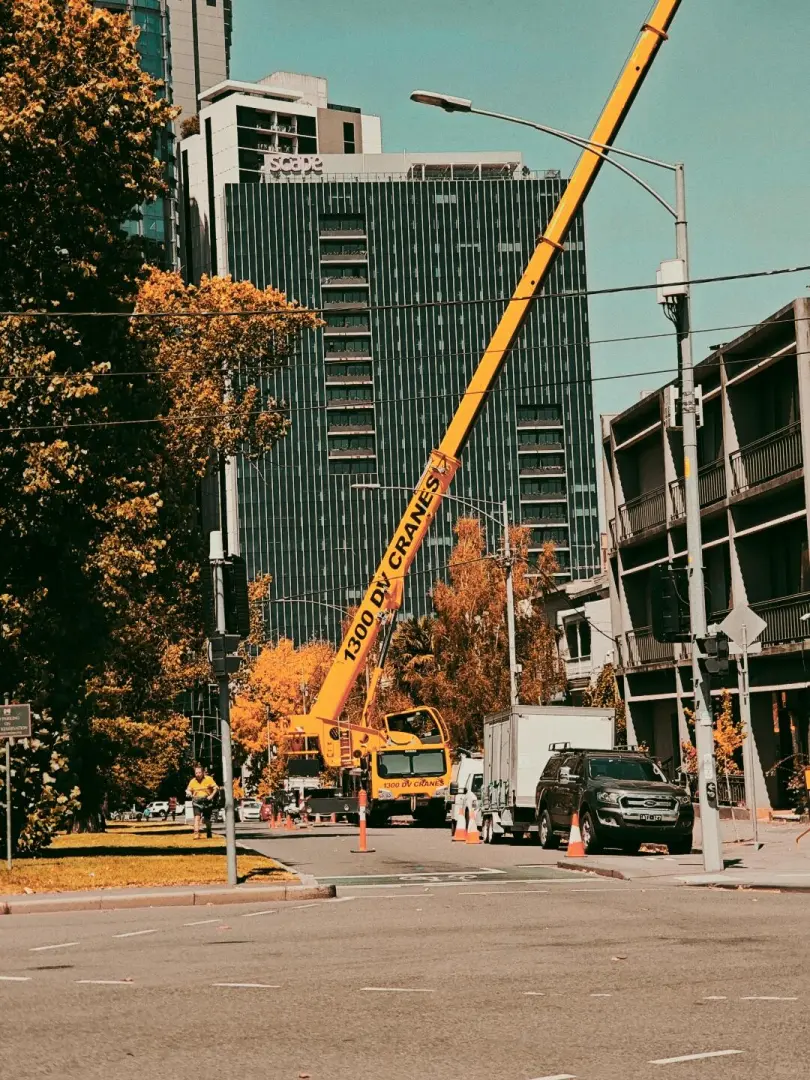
x: 412, y: 255
x: 411, y: 258
x: 157, y: 221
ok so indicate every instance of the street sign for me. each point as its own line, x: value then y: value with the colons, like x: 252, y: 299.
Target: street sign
x: 743, y: 624
x: 15, y: 721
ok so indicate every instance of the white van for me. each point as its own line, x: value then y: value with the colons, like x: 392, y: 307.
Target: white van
x: 466, y: 778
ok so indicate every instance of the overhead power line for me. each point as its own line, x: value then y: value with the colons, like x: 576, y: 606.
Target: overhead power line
x: 437, y: 359
x: 454, y: 394
x: 422, y: 304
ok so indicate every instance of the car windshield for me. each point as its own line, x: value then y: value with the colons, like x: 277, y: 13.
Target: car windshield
x: 625, y: 768
x: 251, y: 804
x: 396, y: 763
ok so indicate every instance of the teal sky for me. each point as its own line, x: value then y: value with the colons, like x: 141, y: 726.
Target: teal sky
x: 728, y: 95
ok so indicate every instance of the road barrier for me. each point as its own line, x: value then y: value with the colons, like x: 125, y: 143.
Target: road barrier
x: 576, y: 849
x: 362, y: 804
x: 460, y: 831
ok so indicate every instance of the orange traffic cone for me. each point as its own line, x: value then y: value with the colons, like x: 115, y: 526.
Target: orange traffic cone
x: 460, y: 833
x: 473, y: 836
x: 576, y: 849
x: 288, y: 824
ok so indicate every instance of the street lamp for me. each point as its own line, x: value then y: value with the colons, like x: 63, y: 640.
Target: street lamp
x: 679, y: 312
x: 503, y: 523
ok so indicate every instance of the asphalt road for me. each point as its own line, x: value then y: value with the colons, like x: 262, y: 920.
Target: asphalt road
x: 482, y: 978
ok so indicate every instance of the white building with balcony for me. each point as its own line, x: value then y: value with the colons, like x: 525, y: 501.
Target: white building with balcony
x: 754, y: 470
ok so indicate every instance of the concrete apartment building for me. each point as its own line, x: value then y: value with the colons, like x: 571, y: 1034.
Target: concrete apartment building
x: 292, y: 191
x: 754, y: 474
x: 255, y: 132
x: 201, y: 33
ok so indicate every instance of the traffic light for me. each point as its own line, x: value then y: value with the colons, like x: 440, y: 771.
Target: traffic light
x: 222, y: 651
x: 237, y: 601
x: 669, y: 603
x: 716, y: 649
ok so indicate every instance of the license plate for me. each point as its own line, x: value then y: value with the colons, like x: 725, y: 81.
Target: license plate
x: 651, y: 817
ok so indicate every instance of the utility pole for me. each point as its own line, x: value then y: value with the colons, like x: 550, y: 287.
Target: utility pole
x: 510, y: 608
x: 217, y: 558
x: 704, y: 722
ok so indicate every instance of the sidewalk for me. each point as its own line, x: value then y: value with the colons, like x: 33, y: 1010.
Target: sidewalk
x: 778, y: 863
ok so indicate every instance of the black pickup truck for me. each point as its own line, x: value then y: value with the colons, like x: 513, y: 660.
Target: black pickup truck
x: 622, y: 797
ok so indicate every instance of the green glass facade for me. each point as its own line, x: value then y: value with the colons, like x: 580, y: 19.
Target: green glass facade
x: 157, y: 220
x: 417, y: 266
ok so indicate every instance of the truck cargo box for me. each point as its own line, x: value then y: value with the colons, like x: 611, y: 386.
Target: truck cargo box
x: 516, y: 747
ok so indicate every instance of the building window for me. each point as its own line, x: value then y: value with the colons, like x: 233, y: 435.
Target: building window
x: 348, y: 138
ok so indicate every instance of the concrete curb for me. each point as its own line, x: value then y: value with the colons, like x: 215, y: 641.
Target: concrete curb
x: 748, y: 886
x: 600, y: 871
x: 192, y: 897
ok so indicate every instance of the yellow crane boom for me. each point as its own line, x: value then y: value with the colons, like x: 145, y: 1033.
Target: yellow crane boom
x: 384, y: 594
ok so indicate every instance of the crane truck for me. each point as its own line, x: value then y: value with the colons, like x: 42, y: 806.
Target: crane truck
x: 389, y: 759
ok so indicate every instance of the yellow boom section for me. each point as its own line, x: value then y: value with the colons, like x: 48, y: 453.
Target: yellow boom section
x: 362, y: 633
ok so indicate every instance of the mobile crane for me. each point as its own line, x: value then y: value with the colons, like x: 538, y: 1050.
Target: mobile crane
x: 410, y: 744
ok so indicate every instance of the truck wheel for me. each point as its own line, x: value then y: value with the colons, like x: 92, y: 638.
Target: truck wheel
x: 545, y: 832
x: 589, y: 838
x: 680, y: 847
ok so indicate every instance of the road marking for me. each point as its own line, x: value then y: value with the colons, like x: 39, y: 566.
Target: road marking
x: 136, y: 933
x: 695, y: 1057
x: 769, y: 999
x: 104, y: 982
x: 253, y: 914
x: 61, y: 945
x: 15, y: 978
x: 303, y: 907
x: 557, y: 1076
x: 398, y: 989
x: 534, y: 993
x: 601, y: 995
x: 715, y: 997
x: 340, y: 899
x: 248, y: 986
x: 202, y: 922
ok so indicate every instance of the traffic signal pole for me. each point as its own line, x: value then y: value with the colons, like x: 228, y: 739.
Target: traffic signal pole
x: 217, y: 559
x: 701, y: 680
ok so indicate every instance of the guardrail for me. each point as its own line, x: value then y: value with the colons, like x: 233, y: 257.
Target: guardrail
x: 766, y: 458
x: 645, y: 512
x: 644, y: 649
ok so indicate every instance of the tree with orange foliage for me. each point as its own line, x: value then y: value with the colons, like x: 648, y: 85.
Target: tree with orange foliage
x: 729, y: 736
x: 458, y: 660
x: 280, y: 683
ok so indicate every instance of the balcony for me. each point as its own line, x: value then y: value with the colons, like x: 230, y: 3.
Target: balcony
x: 644, y: 649
x: 354, y: 255
x: 536, y: 423
x: 767, y: 458
x: 642, y: 514
x: 332, y: 352
x: 543, y: 470
x: 338, y: 281
x: 355, y: 452
x: 579, y: 669
x: 711, y: 484
x: 345, y: 305
x: 784, y: 619
x: 337, y: 233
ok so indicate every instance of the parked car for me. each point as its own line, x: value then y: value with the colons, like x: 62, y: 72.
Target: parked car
x: 468, y: 770
x: 622, y: 797
x: 266, y: 811
x: 154, y: 810
x: 249, y: 810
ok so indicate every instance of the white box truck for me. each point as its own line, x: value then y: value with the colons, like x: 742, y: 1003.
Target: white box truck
x: 517, y: 745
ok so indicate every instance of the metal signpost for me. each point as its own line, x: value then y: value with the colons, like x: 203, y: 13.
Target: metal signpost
x: 743, y: 626
x: 15, y: 723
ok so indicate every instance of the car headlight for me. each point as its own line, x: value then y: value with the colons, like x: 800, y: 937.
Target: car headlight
x: 684, y: 800
x: 384, y: 793
x: 611, y: 797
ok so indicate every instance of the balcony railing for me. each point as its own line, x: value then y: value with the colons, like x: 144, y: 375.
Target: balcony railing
x: 644, y: 649
x: 580, y: 668
x: 767, y: 458
x: 646, y: 512
x: 354, y: 255
x: 784, y: 618
x: 711, y: 484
